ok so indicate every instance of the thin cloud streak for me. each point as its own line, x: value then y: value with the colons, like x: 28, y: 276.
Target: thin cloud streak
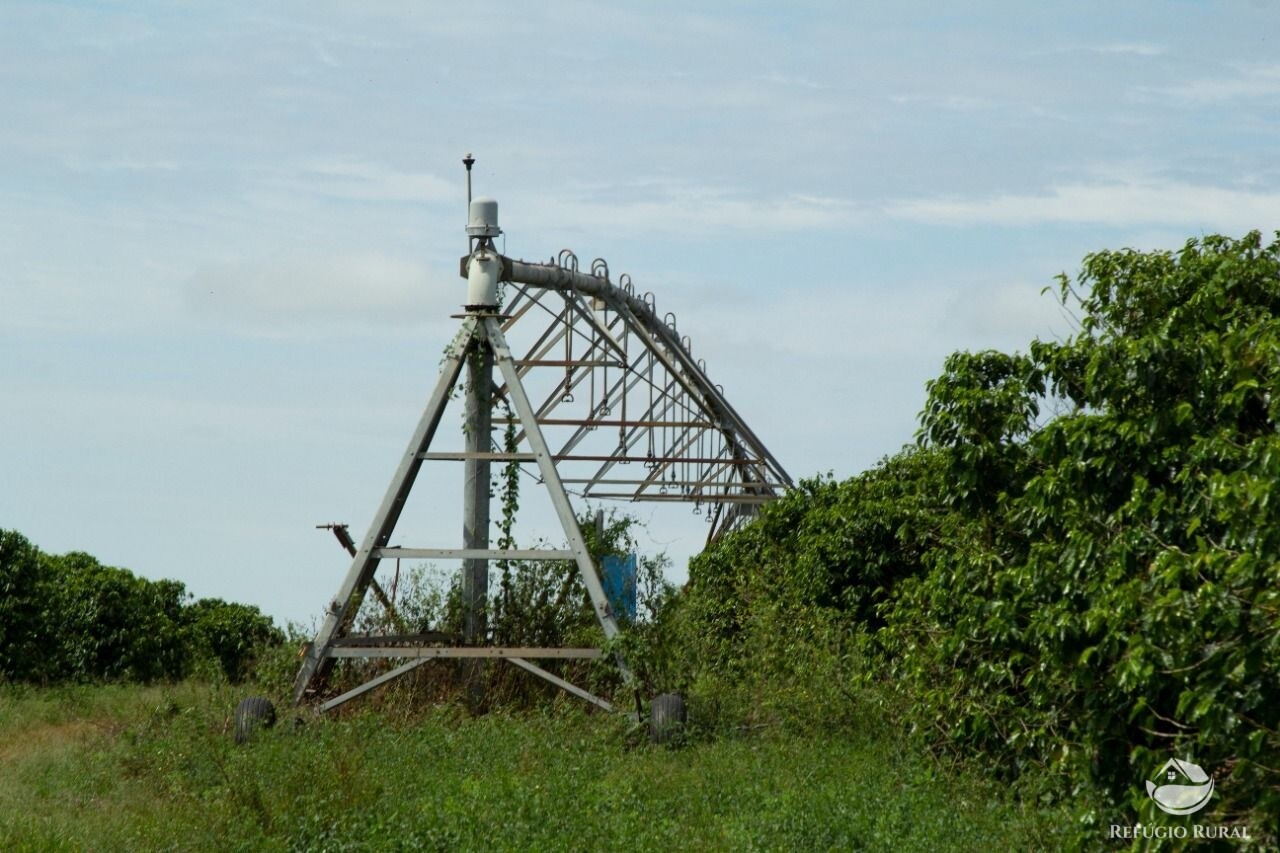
x: 690, y: 209
x: 1130, y: 48
x: 1126, y: 48
x: 359, y: 180
x: 314, y: 293
x: 1257, y: 81
x: 1118, y: 204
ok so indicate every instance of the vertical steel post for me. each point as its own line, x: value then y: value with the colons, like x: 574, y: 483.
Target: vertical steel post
x: 483, y: 270
x: 475, y: 491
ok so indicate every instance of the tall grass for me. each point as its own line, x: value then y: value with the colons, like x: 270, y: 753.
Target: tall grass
x: 155, y: 768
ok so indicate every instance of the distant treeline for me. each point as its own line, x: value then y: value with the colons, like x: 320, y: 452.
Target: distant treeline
x: 70, y: 618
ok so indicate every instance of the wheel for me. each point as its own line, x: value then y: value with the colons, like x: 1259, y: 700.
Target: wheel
x: 253, y: 713
x: 667, y: 717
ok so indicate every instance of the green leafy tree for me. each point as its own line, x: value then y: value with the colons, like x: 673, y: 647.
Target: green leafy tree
x: 20, y: 622
x: 1119, y: 599
x: 70, y: 618
x: 1078, y: 570
x: 106, y: 623
x: 227, y: 637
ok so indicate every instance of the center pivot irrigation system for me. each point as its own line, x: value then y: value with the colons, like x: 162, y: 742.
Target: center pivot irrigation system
x: 607, y: 401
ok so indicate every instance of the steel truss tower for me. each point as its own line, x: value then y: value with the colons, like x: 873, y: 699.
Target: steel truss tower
x: 627, y: 392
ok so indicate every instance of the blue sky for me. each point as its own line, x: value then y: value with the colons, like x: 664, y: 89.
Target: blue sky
x: 229, y: 232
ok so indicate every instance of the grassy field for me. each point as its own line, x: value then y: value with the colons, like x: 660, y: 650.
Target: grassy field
x: 116, y: 768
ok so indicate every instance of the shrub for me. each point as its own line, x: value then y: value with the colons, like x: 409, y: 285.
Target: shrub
x: 1085, y: 594
x: 20, y: 623
x: 70, y: 618
x: 1120, y: 603
x: 105, y: 623
x: 787, y: 602
x: 226, y: 638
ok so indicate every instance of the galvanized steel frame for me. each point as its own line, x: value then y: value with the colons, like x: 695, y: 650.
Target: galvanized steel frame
x: 696, y: 446
x: 479, y: 331
x: 709, y: 456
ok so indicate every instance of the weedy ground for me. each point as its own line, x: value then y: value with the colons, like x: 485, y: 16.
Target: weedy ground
x: 133, y: 768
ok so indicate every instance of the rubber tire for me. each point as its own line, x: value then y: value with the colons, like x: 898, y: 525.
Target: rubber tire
x: 252, y: 713
x: 667, y: 717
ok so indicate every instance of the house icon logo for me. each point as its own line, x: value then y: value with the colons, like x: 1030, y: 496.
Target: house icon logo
x: 1180, y: 787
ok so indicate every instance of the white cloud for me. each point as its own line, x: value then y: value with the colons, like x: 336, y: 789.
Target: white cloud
x: 954, y: 103
x: 359, y: 180
x: 299, y: 292
x: 693, y: 209
x: 321, y: 50
x: 1133, y: 48
x: 854, y: 320
x: 1003, y: 315
x: 1130, y: 48
x: 123, y: 164
x: 864, y: 320
x: 1115, y: 204
x: 1257, y: 81
x: 791, y: 80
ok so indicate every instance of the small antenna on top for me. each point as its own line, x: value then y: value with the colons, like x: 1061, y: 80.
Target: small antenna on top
x: 468, y: 161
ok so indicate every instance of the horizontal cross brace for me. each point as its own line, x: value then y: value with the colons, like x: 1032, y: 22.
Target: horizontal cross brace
x: 458, y: 652
x: 535, y: 362
x: 577, y: 457
x: 593, y: 422
x: 469, y: 554
x: 492, y: 457
x: 432, y: 638
x: 692, y: 460
x: 708, y: 486
x: 706, y: 499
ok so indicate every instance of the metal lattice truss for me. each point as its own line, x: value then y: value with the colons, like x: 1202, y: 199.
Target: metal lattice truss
x: 606, y: 401
x: 631, y: 413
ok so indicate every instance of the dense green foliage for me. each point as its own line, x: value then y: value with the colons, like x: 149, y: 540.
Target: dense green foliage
x: 112, y: 768
x: 70, y: 618
x: 1078, y: 569
x: 227, y: 637
x: 1136, y: 556
x: 20, y: 607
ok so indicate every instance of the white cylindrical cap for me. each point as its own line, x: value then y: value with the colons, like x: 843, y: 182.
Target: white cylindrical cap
x: 482, y: 218
x: 483, y: 271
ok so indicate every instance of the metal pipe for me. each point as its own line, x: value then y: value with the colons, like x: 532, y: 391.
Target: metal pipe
x: 559, y: 278
x: 475, y: 491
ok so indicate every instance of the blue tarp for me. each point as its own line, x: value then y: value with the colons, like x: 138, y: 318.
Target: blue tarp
x: 620, y: 584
